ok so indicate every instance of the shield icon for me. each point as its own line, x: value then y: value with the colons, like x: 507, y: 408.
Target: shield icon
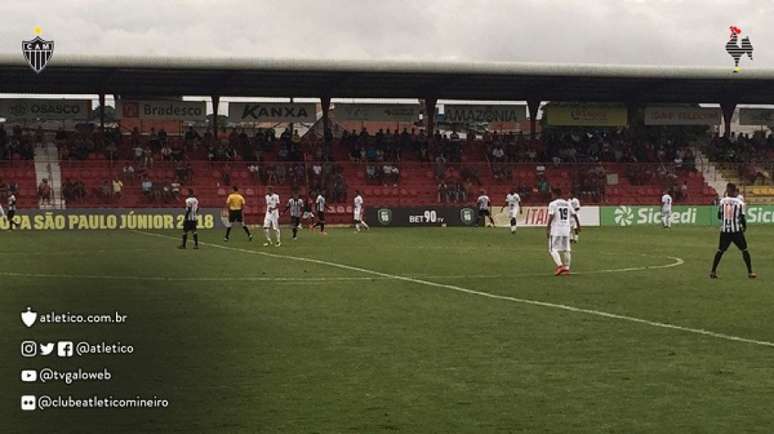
x: 385, y: 216
x: 467, y: 216
x: 38, y: 52
x: 29, y: 317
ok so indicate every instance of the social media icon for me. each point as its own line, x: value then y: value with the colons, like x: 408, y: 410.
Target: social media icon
x: 29, y: 317
x: 46, y: 349
x: 29, y: 375
x: 28, y: 402
x: 64, y: 348
x: 29, y: 349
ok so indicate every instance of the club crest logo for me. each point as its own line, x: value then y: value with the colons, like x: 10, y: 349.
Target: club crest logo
x: 467, y: 216
x: 385, y: 216
x: 29, y: 317
x: 38, y: 51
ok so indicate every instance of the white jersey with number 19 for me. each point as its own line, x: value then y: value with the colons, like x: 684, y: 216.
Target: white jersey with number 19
x: 562, y: 212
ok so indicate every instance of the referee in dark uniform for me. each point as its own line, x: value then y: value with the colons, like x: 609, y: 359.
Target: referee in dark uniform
x: 733, y: 225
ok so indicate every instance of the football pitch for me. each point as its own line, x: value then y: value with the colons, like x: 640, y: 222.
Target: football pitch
x: 399, y: 330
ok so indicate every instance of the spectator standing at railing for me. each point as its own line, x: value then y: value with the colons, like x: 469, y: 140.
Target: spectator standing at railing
x: 166, y: 152
x: 147, y: 157
x: 191, y: 138
x: 118, y: 188
x: 443, y: 192
x: 281, y: 172
x: 138, y: 151
x: 44, y: 192
x: 128, y: 171
x: 147, y: 187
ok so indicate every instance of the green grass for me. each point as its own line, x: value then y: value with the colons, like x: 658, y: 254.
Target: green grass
x: 372, y: 354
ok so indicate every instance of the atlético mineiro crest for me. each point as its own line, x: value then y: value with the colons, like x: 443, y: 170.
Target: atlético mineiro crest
x: 38, y: 52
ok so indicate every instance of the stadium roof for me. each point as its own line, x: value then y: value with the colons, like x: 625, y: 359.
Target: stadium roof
x: 168, y: 76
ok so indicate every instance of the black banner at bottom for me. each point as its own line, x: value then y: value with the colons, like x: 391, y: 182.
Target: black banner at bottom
x: 424, y: 216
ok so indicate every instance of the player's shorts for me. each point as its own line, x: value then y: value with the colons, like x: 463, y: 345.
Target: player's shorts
x: 11, y: 214
x: 189, y: 225
x: 666, y: 212
x: 737, y: 238
x: 321, y: 216
x: 295, y: 221
x: 559, y: 244
x: 358, y: 215
x: 513, y: 213
x: 235, y: 215
x: 271, y: 221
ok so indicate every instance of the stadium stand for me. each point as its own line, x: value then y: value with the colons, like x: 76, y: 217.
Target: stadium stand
x: 391, y: 168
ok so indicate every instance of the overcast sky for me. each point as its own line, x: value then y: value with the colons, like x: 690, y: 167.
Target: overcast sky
x: 661, y: 32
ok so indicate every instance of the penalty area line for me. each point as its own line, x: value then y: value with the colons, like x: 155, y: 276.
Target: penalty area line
x: 460, y: 289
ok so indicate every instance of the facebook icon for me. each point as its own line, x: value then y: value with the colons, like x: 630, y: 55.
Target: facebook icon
x: 64, y: 348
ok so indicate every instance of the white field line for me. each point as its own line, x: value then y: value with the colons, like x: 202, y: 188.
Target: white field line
x: 676, y: 262
x: 182, y: 279
x: 564, y: 307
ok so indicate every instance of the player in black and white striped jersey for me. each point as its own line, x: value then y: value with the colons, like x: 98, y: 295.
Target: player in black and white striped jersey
x: 190, y: 219
x: 11, y: 211
x: 296, y: 206
x: 733, y: 225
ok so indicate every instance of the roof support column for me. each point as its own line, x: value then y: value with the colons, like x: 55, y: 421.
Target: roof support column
x: 325, y: 103
x: 533, y: 106
x: 430, y: 102
x: 215, y: 104
x: 632, y: 114
x: 102, y: 111
x: 727, y: 108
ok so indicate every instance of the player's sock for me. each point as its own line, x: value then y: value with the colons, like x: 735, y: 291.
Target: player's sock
x: 747, y: 261
x: 365, y: 225
x: 267, y: 232
x: 277, y: 232
x: 567, y: 259
x: 322, y: 226
x: 247, y: 231
x: 557, y: 259
x: 196, y: 239
x: 228, y: 232
x: 357, y: 227
x: 716, y: 261
x: 295, y: 231
x: 185, y: 240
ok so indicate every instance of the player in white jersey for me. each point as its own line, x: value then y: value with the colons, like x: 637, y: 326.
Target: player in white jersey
x: 319, y: 209
x: 560, y: 214
x: 271, y: 220
x: 190, y: 220
x: 576, y: 206
x: 357, y: 211
x: 483, y: 203
x: 733, y: 224
x: 513, y: 202
x: 666, y: 210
